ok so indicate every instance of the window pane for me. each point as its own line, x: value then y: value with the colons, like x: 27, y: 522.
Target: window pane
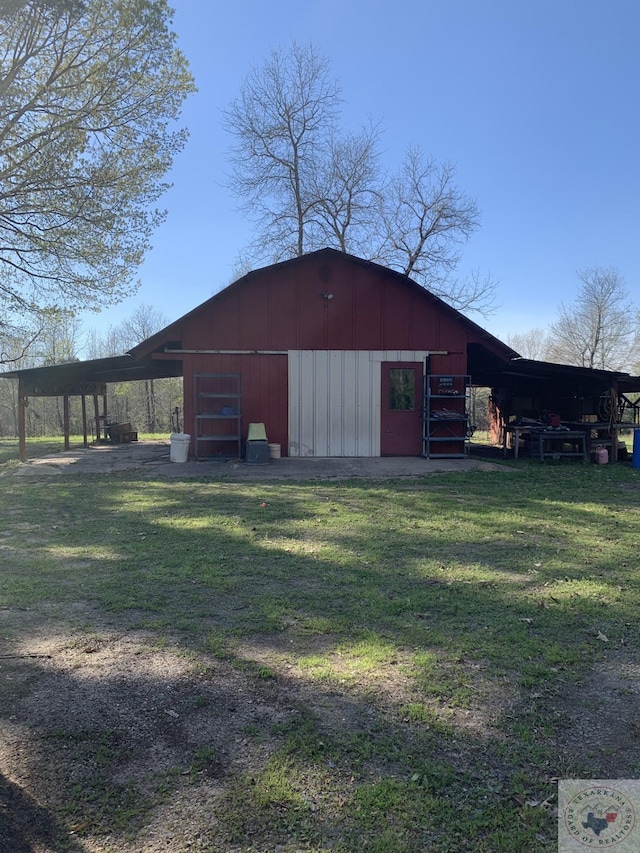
x: 402, y: 389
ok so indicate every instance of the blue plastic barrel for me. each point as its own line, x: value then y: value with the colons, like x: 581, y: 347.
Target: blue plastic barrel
x: 636, y: 449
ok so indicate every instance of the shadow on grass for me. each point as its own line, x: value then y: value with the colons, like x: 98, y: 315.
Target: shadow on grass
x: 25, y: 826
x: 268, y: 751
x: 221, y: 755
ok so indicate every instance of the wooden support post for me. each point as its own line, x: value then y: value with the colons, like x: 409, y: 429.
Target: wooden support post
x: 22, y: 421
x: 96, y: 414
x: 104, y: 412
x: 65, y: 419
x: 84, y: 421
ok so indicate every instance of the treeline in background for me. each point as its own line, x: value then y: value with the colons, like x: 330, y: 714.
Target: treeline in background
x: 150, y: 406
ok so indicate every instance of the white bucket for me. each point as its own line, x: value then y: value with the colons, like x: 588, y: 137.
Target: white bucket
x: 179, y: 447
x: 274, y: 451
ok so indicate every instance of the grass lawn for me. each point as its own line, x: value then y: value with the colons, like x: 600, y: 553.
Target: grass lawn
x: 380, y: 666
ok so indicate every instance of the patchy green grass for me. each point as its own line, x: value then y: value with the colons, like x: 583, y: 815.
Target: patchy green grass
x: 429, y: 626
x: 9, y: 449
x: 44, y: 445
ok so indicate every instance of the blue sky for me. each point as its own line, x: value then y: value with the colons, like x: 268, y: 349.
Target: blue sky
x: 535, y: 103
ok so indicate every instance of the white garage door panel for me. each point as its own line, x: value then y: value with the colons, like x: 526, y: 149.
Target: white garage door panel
x: 334, y: 400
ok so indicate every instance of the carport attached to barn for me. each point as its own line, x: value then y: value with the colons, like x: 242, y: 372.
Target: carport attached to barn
x: 83, y: 379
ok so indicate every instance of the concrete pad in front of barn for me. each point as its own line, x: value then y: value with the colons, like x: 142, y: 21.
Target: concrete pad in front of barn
x: 152, y: 458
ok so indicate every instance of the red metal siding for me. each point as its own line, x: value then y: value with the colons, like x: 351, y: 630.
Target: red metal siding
x: 255, y: 316
x: 340, y: 309
x: 264, y: 390
x: 226, y: 325
x: 312, y: 309
x: 455, y: 363
x: 396, y: 313
x: 287, y: 308
x: 322, y: 301
x: 283, y: 329
x: 368, y: 302
x: 198, y: 331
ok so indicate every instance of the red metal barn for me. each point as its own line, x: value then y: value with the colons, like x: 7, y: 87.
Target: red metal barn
x: 330, y: 353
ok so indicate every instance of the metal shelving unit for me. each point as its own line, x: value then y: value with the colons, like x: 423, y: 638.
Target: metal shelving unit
x: 446, y: 416
x: 218, y: 415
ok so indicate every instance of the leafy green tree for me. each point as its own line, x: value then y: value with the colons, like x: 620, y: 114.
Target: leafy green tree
x: 57, y: 341
x: 90, y: 93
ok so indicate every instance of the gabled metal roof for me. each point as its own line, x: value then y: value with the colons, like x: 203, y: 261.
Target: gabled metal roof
x: 174, y: 331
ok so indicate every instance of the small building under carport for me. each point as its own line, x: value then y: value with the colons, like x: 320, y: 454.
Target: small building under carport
x: 84, y: 379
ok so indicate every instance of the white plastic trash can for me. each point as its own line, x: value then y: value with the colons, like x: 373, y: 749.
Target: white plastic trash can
x: 179, y: 447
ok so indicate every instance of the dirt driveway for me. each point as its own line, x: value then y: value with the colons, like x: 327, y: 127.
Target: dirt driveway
x: 152, y: 458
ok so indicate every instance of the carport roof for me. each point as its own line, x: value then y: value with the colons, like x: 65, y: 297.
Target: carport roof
x: 530, y: 369
x: 83, y: 377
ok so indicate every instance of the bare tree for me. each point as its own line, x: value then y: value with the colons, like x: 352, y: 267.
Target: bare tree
x: 17, y: 339
x: 281, y: 121
x: 144, y: 322
x: 307, y: 184
x: 105, y: 344
x: 148, y: 404
x: 531, y: 344
x: 349, y: 190
x: 476, y: 292
x: 600, y: 328
x: 425, y: 218
x: 89, y: 93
